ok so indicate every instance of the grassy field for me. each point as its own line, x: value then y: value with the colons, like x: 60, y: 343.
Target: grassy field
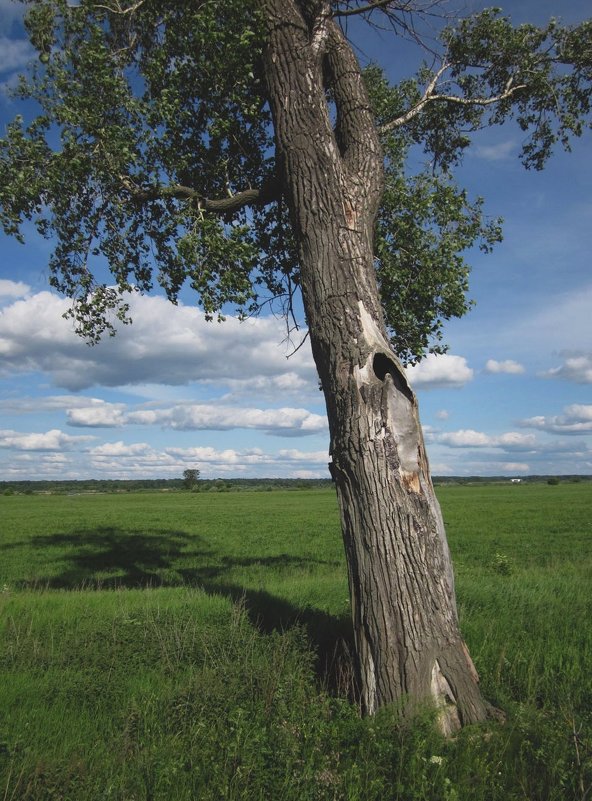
x: 176, y: 646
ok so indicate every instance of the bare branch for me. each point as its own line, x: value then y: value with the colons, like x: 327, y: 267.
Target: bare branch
x: 297, y: 348
x: 391, y: 7
x: 429, y: 96
x: 267, y: 193
x: 118, y: 9
x: 349, y: 12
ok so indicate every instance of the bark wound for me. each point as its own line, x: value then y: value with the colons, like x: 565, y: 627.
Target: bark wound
x: 472, y: 668
x: 398, y: 402
x: 401, y: 417
x: 349, y: 212
x: 448, y: 717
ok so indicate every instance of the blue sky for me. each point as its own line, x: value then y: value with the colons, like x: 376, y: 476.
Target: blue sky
x: 512, y: 397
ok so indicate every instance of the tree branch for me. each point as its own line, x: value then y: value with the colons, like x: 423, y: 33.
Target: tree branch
x: 355, y: 130
x: 118, y: 9
x: 267, y: 193
x: 319, y: 31
x: 430, y: 97
x: 349, y: 12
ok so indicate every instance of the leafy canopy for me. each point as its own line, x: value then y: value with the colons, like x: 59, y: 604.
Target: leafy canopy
x: 150, y: 158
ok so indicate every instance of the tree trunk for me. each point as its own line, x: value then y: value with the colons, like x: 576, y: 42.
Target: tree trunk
x: 408, y: 646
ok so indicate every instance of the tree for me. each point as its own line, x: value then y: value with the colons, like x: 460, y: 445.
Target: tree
x: 190, y: 478
x: 239, y: 147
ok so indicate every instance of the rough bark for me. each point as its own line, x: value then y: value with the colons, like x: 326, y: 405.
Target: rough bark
x: 408, y: 646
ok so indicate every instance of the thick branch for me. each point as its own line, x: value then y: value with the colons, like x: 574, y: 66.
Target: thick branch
x: 429, y: 96
x: 319, y: 31
x: 267, y: 193
x: 355, y: 130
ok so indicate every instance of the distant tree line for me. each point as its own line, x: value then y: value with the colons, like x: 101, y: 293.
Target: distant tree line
x: 195, y: 483
x: 160, y: 484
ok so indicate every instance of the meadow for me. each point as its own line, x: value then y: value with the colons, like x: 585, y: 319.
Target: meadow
x: 174, y: 646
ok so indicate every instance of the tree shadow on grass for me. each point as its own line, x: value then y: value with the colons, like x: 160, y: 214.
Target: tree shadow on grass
x: 113, y: 558
x: 110, y: 558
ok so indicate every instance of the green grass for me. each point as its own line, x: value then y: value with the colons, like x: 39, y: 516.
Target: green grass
x: 166, y: 646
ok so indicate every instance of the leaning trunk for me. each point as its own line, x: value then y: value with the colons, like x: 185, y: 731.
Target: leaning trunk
x: 408, y: 646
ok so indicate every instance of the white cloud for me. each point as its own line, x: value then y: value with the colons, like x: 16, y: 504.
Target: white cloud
x: 577, y: 419
x: 250, y: 456
x: 84, y: 412
x: 13, y: 289
x: 442, y: 414
x: 467, y: 438
x: 515, y: 467
x: 508, y: 366
x: 119, y: 459
x: 283, y: 421
x: 120, y: 449
x: 576, y: 368
x: 53, y: 440
x: 514, y: 440
x: 14, y: 53
x: 51, y: 460
x: 98, y: 415
x: 283, y: 385
x: 502, y: 151
x: 208, y: 455
x: 292, y: 455
x: 46, y: 403
x: 440, y: 371
x: 166, y: 344
x: 512, y: 452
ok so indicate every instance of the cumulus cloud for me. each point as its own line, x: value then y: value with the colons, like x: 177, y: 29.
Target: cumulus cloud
x: 13, y: 289
x: 467, y: 438
x: 440, y: 371
x: 508, y: 366
x: 119, y: 459
x: 576, y: 368
x: 513, y: 452
x: 166, y: 344
x: 293, y: 455
x: 283, y: 421
x: 120, y: 449
x: 577, y: 419
x: 84, y: 412
x: 247, y: 456
x: 283, y: 385
x: 98, y: 415
x: 54, y: 440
